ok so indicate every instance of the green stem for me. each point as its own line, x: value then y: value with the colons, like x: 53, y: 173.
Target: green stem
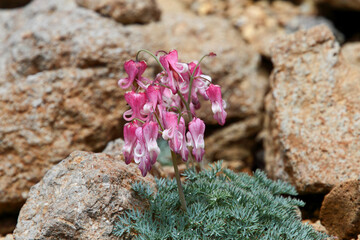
x: 186, y: 104
x: 192, y: 77
x: 177, y: 176
x: 137, y: 119
x: 150, y: 53
x: 158, y: 121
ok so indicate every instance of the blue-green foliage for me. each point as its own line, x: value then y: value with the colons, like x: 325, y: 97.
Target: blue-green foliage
x: 221, y: 205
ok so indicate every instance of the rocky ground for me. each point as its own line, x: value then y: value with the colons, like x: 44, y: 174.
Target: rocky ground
x: 289, y: 71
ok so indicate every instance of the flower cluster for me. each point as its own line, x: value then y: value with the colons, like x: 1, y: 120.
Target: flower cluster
x: 158, y: 108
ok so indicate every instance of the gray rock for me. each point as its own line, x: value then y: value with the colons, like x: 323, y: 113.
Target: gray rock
x: 80, y: 198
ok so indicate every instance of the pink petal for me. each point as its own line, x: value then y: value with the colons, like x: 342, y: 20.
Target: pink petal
x: 196, y: 138
x: 151, y: 132
x: 214, y: 94
x: 130, y: 140
x: 131, y: 69
x: 136, y: 102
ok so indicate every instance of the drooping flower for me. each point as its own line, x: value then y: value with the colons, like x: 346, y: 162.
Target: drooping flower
x: 153, y: 96
x: 218, y: 104
x: 150, y: 133
x: 175, y: 132
x: 184, y: 151
x: 141, y: 155
x: 173, y: 70
x: 136, y: 102
x: 134, y: 71
x: 130, y: 140
x: 169, y: 99
x: 199, y: 84
x: 195, y: 138
x: 140, y: 144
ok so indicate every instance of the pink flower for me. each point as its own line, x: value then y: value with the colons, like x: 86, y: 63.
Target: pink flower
x: 214, y: 94
x: 153, y: 96
x: 151, y: 132
x: 175, y: 133
x: 146, y: 149
x: 200, y: 83
x: 134, y: 71
x: 140, y: 152
x: 173, y: 70
x: 195, y: 138
x: 130, y: 140
x: 136, y: 102
x: 169, y: 99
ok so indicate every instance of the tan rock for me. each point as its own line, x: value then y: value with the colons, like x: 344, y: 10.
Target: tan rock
x: 340, y: 210
x: 259, y: 22
x: 80, y: 198
x: 316, y: 225
x: 313, y: 123
x: 351, y: 53
x: 7, y: 237
x: 124, y: 11
x: 218, y: 7
x: 232, y: 143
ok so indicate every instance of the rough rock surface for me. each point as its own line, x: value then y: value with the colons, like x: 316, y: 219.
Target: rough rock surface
x: 218, y: 7
x: 48, y: 115
x: 340, y: 210
x: 125, y: 11
x: 259, y: 22
x: 263, y: 22
x: 232, y: 142
x: 345, y: 4
x: 59, y: 66
x: 313, y: 123
x: 351, y: 53
x: 7, y: 237
x: 80, y: 198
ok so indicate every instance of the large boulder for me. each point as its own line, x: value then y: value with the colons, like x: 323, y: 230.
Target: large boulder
x: 80, y: 198
x: 313, y: 121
